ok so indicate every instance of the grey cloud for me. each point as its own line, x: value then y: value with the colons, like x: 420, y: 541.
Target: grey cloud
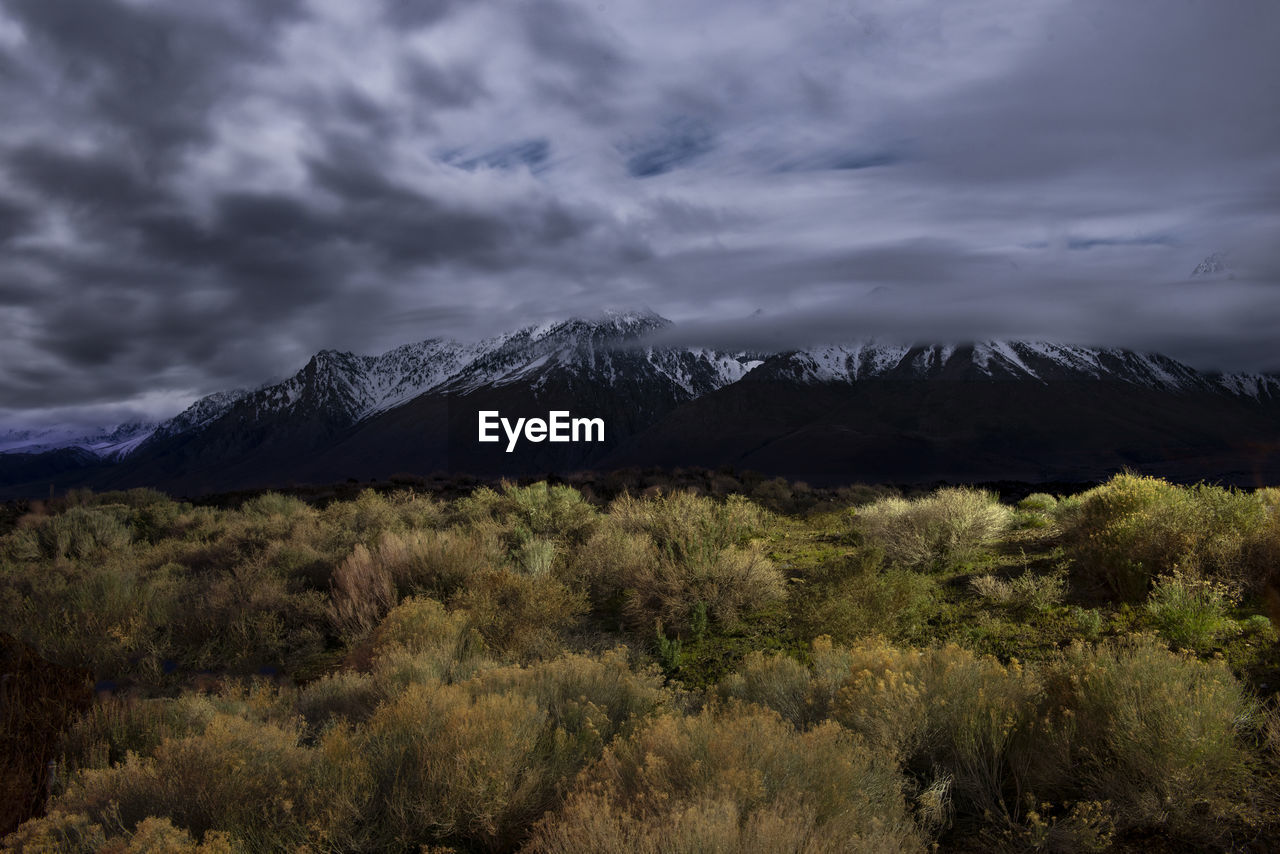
x: 561, y: 33
x: 150, y: 72
x: 417, y: 13
x: 93, y: 182
x: 15, y: 219
x: 195, y: 197
x: 456, y: 86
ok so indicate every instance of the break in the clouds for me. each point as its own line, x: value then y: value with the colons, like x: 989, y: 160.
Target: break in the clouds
x: 198, y: 196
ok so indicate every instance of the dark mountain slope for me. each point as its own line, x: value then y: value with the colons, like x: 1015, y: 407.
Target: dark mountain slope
x: 965, y: 430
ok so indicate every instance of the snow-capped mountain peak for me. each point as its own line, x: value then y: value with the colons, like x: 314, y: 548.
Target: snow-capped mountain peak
x: 1216, y: 266
x: 337, y: 390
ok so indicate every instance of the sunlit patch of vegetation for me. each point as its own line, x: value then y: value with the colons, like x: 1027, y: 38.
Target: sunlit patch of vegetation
x: 754, y: 665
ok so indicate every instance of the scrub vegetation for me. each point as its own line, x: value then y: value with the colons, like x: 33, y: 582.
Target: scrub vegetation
x: 742, y: 667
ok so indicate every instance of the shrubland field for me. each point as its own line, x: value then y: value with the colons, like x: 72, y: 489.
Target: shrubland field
x: 533, y: 669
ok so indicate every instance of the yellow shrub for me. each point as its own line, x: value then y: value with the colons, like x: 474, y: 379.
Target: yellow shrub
x: 450, y: 767
x: 739, y: 779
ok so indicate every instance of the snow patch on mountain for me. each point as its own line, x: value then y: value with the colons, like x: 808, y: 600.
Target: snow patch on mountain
x: 109, y: 443
x: 1260, y: 387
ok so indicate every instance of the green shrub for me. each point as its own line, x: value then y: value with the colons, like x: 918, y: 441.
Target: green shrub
x: 1158, y: 735
x: 1089, y: 620
x: 1257, y: 624
x: 1132, y: 529
x: 535, y: 556
x: 949, y: 527
x: 869, y: 601
x: 1038, y: 502
x: 1190, y: 612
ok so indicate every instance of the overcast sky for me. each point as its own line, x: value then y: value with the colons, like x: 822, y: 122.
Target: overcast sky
x: 197, y: 196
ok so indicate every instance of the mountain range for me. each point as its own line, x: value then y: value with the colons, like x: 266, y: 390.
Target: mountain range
x: 993, y: 410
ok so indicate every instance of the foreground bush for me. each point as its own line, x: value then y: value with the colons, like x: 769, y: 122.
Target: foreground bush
x: 75, y: 833
x: 737, y: 780
x: 253, y: 780
x: 1160, y: 738
x: 951, y: 526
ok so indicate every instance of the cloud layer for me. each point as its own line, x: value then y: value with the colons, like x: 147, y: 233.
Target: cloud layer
x: 199, y: 198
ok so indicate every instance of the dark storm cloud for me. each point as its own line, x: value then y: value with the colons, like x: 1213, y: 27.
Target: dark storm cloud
x: 148, y: 72
x: 457, y: 86
x: 98, y: 182
x: 15, y: 219
x: 199, y: 196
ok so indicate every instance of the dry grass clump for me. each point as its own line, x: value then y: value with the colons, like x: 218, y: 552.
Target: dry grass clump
x: 728, y: 584
x: 683, y: 525
x: 1026, y: 592
x: 739, y: 780
x: 951, y: 526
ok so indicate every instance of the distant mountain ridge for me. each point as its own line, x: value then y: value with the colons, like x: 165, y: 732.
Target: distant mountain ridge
x: 341, y: 410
